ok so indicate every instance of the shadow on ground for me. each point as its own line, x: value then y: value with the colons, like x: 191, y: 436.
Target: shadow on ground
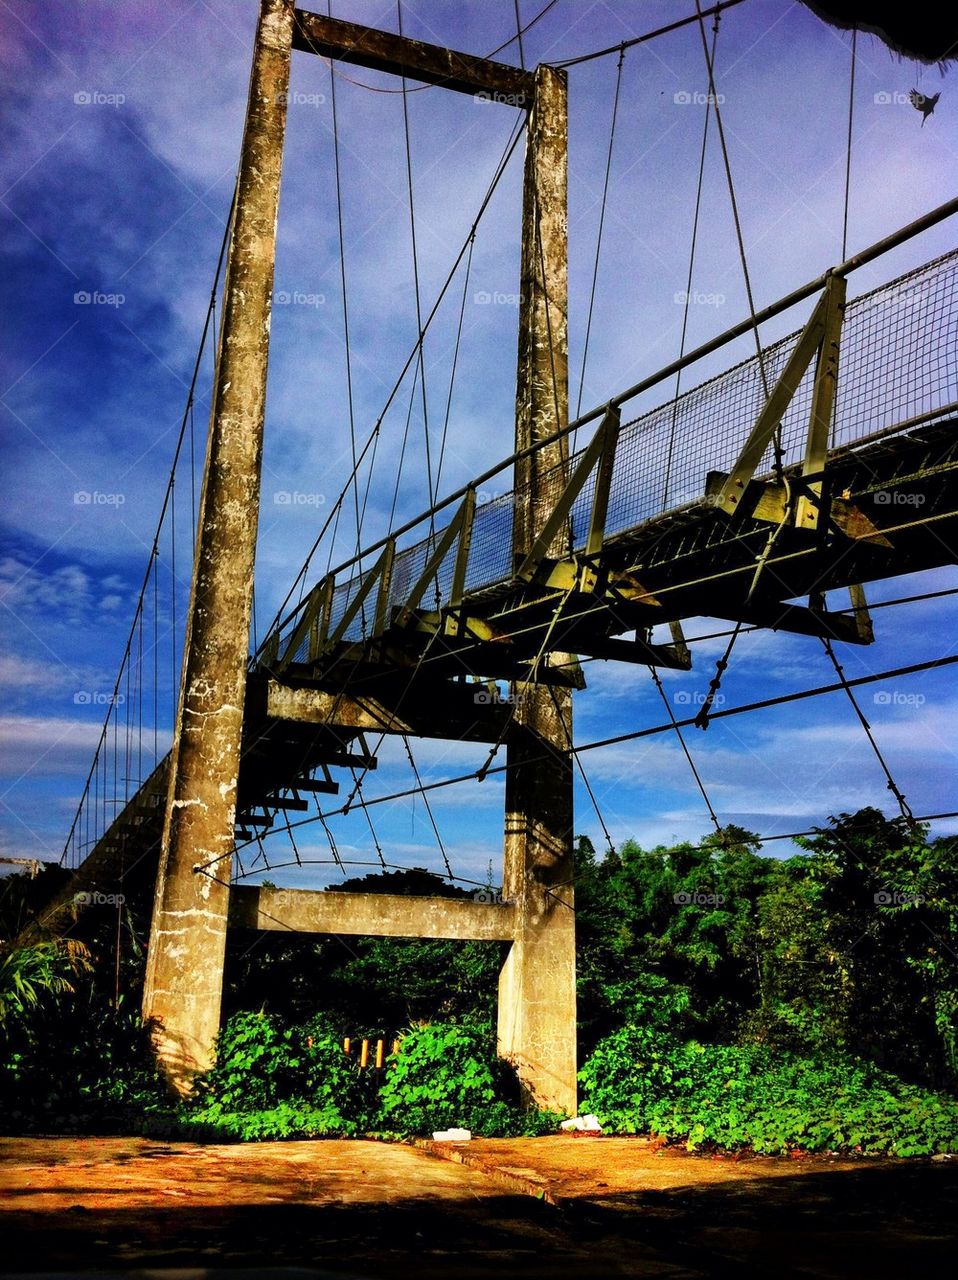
x: 446, y: 1220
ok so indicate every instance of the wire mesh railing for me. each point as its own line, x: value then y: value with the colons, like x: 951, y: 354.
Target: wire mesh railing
x: 898, y: 361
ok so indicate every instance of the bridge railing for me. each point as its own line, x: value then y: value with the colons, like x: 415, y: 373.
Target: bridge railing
x: 898, y: 362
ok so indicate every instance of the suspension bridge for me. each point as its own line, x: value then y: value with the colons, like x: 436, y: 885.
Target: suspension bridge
x: 826, y: 461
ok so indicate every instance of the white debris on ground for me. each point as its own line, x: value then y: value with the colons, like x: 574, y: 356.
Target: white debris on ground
x: 452, y: 1135
x: 581, y: 1124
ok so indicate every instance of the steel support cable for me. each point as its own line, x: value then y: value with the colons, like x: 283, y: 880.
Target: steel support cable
x: 700, y: 184
x: 402, y: 456
x: 760, y: 840
x: 519, y: 34
x: 393, y: 866
x: 358, y: 781
x: 533, y: 671
x: 653, y: 730
x: 865, y: 256
x: 292, y: 841
x: 582, y: 773
x: 848, y: 143
x: 333, y: 847
x: 342, y: 277
x: 455, y: 360
x: 415, y: 272
x: 705, y: 711
x: 598, y: 239
x: 850, y: 694
x: 373, y: 437
x: 358, y: 790
x: 154, y: 549
x: 734, y: 203
x: 685, y: 750
x: 425, y: 797
x: 649, y: 35
x: 425, y: 660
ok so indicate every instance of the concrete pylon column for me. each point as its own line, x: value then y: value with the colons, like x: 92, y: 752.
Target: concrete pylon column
x: 184, y: 975
x: 537, y: 998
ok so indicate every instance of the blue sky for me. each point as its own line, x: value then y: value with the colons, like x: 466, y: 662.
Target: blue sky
x: 122, y: 138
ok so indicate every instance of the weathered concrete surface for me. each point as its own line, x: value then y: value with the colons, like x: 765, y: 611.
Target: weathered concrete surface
x: 188, y: 935
x: 536, y: 1021
x: 367, y: 713
x: 387, y: 915
x: 368, y: 1209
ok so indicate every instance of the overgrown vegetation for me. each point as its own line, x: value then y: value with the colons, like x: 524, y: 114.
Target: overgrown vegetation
x: 726, y: 999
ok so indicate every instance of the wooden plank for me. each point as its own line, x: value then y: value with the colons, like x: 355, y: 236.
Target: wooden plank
x: 397, y: 55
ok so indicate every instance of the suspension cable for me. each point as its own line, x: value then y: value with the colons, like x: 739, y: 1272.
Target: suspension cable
x: 455, y: 360
x: 342, y: 276
x: 649, y: 35
x: 700, y: 184
x: 654, y: 730
x: 435, y: 828
x: 685, y: 750
x: 582, y: 773
x: 415, y: 271
x: 598, y: 239
x: 848, y: 143
x: 152, y: 565
x: 850, y: 694
x: 372, y: 439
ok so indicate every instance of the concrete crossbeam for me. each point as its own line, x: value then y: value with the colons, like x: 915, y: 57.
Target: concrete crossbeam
x: 388, y: 915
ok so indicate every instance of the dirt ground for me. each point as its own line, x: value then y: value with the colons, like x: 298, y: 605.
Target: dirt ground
x: 559, y: 1207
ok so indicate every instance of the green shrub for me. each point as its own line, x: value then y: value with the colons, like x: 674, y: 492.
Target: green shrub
x: 294, y: 1077
x: 640, y: 1080
x: 443, y: 1075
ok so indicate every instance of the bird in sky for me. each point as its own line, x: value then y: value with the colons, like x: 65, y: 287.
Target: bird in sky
x: 921, y: 102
